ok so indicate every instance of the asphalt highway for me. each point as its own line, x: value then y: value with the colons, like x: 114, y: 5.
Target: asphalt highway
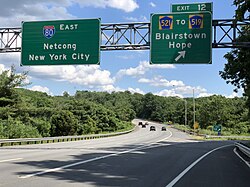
x: 142, y: 158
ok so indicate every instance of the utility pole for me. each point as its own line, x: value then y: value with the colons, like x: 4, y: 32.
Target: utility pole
x: 185, y: 112
x: 194, y: 106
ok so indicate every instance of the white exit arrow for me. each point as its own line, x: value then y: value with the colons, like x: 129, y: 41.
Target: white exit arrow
x: 181, y: 54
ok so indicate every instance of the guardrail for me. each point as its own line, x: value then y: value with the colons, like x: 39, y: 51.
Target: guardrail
x: 243, y: 148
x: 228, y: 137
x: 24, y: 141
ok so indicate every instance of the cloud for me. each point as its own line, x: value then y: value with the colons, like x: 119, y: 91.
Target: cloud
x: 8, y: 59
x: 2, y: 68
x: 177, y: 87
x: 188, y: 90
x: 152, y: 4
x: 125, y: 5
x: 41, y: 89
x: 112, y: 88
x: 139, y: 70
x: 90, y: 76
x: 12, y: 13
x: 160, y: 82
x: 136, y: 90
x: 184, y: 91
x: 168, y: 93
x: 234, y: 94
x: 139, y: 19
x: 143, y: 67
x: 204, y: 95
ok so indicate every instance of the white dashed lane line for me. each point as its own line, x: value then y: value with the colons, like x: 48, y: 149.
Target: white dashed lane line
x: 10, y: 160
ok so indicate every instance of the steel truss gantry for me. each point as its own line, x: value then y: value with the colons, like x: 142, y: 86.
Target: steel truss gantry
x: 136, y: 36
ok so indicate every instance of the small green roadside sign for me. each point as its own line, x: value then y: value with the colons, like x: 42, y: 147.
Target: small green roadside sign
x: 61, y: 42
x: 194, y: 7
x: 217, y: 128
x: 181, y: 38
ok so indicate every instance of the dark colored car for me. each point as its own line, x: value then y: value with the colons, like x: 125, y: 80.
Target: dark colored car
x: 152, y: 128
x: 143, y: 126
x: 140, y: 123
x: 163, y: 129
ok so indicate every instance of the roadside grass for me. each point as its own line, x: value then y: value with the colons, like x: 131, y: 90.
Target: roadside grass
x: 206, y: 134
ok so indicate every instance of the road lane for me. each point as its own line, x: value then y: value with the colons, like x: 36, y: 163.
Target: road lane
x: 37, y: 158
x: 222, y: 168
x: 141, y: 158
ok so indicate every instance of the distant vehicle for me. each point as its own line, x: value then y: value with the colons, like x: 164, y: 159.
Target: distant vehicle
x: 146, y: 123
x: 163, y: 129
x: 140, y: 123
x: 152, y: 128
x: 143, y: 126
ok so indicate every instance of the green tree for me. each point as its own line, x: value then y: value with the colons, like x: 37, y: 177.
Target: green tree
x: 243, y: 6
x: 237, y: 69
x: 65, y: 94
x: 42, y: 126
x: 9, y: 80
x: 88, y: 126
x: 1, y: 130
x: 63, y: 123
x: 212, y: 110
x: 16, y: 129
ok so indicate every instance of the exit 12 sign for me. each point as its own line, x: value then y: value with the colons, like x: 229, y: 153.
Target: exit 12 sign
x: 194, y: 7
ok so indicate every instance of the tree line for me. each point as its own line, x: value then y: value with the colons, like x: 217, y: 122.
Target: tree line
x: 26, y: 113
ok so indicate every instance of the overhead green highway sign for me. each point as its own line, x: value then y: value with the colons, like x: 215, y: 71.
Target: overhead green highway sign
x: 64, y: 42
x: 180, y: 38
x: 193, y: 7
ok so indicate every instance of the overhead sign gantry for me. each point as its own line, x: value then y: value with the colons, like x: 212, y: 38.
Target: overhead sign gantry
x: 127, y: 36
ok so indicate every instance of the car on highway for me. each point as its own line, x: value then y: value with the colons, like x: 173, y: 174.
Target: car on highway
x: 140, y: 123
x: 163, y: 129
x: 152, y: 128
x: 143, y: 126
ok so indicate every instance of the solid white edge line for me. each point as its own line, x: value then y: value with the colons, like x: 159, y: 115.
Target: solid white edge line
x: 171, y: 134
x: 92, y: 159
x: 248, y: 164
x: 9, y: 160
x: 176, y: 179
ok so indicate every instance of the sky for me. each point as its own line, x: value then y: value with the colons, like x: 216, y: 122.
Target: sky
x: 118, y: 70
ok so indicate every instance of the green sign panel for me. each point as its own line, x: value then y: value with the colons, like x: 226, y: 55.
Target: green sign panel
x: 181, y: 38
x: 217, y: 128
x: 194, y: 7
x: 64, y: 42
